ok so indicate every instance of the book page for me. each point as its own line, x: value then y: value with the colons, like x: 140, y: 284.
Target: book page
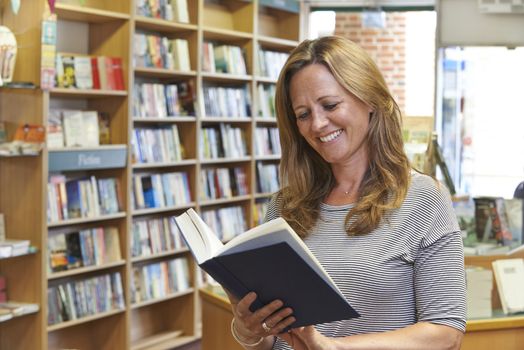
x: 272, y: 232
x: 202, y: 242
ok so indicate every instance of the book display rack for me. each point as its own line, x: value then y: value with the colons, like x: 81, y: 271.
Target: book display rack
x: 155, y: 110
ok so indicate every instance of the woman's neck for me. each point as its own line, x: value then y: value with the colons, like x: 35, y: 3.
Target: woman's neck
x: 348, y: 181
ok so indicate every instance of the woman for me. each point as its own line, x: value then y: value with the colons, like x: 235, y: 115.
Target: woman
x: 387, y: 235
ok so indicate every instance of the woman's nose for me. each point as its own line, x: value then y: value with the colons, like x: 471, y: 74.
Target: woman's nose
x: 319, y: 120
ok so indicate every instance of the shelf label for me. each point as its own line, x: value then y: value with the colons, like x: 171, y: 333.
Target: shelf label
x: 68, y: 160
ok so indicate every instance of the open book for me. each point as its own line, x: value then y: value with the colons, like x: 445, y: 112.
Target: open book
x: 272, y: 261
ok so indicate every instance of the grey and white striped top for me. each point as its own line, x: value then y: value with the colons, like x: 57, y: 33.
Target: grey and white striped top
x: 410, y: 269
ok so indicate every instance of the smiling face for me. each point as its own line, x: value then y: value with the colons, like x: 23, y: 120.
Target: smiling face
x: 332, y: 120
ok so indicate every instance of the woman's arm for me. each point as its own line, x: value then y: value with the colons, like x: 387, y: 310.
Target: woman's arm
x: 420, y: 336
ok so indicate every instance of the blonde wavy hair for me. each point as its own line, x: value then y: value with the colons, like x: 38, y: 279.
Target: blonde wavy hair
x: 305, y: 176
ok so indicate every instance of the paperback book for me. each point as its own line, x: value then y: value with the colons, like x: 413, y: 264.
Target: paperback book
x: 272, y: 261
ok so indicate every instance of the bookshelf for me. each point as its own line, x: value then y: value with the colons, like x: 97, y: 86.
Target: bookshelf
x: 169, y: 317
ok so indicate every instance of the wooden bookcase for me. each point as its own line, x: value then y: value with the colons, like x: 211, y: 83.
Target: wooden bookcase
x: 107, y: 28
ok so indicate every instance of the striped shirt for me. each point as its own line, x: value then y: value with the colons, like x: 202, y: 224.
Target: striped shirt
x: 409, y: 269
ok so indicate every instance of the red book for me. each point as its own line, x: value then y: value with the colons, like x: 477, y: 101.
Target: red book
x: 96, y: 74
x: 2, y: 283
x: 111, y: 83
x: 118, y: 73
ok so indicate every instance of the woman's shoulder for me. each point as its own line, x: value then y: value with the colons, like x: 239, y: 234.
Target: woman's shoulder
x: 426, y: 187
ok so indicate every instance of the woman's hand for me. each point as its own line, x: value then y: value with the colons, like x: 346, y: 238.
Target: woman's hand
x: 307, y: 338
x: 271, y: 319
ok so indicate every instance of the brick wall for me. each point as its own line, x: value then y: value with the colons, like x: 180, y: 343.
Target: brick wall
x: 386, y: 46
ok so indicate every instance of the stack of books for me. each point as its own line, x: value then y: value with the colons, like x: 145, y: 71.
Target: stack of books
x: 479, y: 286
x: 13, y: 247
x: 12, y: 309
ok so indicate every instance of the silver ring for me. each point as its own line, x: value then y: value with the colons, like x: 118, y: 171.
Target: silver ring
x: 266, y: 327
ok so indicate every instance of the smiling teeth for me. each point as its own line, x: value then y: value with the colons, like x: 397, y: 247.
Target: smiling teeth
x: 331, y: 136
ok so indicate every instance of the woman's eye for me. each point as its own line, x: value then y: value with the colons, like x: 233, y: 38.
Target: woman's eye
x: 302, y: 115
x: 331, y: 106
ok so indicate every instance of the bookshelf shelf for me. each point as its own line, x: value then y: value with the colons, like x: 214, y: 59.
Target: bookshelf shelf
x: 163, y: 209
x: 18, y: 155
x: 76, y: 93
x: 88, y: 15
x: 164, y: 165
x: 165, y: 120
x: 83, y: 270
x: 218, y: 120
x: 225, y: 77
x: 266, y: 80
x: 163, y: 73
x: 276, y: 43
x: 166, y: 344
x: 82, y: 320
x: 162, y: 25
x: 32, y: 251
x: 263, y: 195
x: 159, y: 300
x: 226, y: 35
x: 266, y: 120
x: 138, y: 259
x: 78, y: 221
x: 225, y: 160
x: 225, y: 200
x: 16, y: 317
x: 270, y: 157
x: 100, y: 148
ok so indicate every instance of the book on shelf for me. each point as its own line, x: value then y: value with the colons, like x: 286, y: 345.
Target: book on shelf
x: 509, y: 276
x: 81, y: 128
x: 2, y: 227
x: 155, y: 9
x: 65, y: 71
x: 87, y: 247
x: 5, y: 314
x: 89, y: 72
x: 272, y: 261
x: 160, y: 279
x: 226, y: 222
x: 83, y: 72
x: 492, y: 221
x: 14, y: 247
x: 72, y: 198
x: 19, y: 308
x: 181, y: 54
x: 180, y: 11
x: 81, y: 298
x: 55, y: 130
x: 479, y: 283
x: 3, y: 289
x: 57, y: 250
x: 104, y: 128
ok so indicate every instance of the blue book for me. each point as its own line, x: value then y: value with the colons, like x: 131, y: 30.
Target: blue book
x: 272, y: 261
x: 75, y: 205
